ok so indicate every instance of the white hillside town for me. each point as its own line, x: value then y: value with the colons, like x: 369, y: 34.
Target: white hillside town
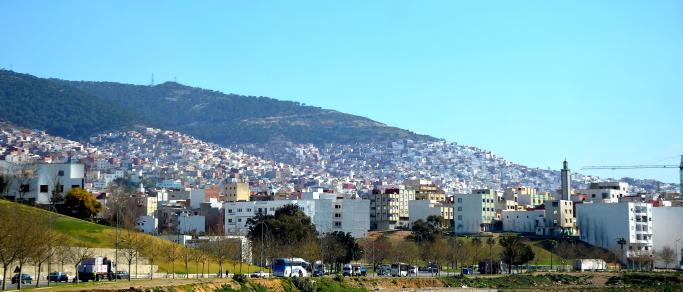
x: 193, y: 193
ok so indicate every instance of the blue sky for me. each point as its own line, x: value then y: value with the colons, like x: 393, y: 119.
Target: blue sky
x: 533, y: 81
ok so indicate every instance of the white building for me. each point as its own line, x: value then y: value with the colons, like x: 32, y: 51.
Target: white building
x: 147, y: 224
x: 42, y: 179
x: 475, y: 212
x: 667, y: 233
x: 559, y: 219
x: 522, y: 221
x: 604, y: 224
x: 188, y: 223
x: 328, y: 215
x: 421, y: 209
x: 602, y: 192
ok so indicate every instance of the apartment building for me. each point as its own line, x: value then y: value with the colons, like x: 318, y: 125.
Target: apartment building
x: 236, y: 192
x: 328, y: 215
x: 476, y: 212
x: 559, y: 220
x: 604, y: 225
x: 389, y: 207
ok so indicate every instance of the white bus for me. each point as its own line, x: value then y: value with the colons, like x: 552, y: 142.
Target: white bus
x: 399, y: 270
x: 291, y: 267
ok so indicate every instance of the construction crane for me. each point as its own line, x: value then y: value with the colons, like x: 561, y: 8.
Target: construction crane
x: 613, y: 167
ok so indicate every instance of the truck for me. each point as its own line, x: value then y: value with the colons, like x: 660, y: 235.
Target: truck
x: 95, y: 269
x: 589, y: 265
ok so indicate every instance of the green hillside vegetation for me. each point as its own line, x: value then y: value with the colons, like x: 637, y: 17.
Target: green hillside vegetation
x: 62, y: 110
x: 78, y: 109
x: 81, y: 232
x: 230, y: 118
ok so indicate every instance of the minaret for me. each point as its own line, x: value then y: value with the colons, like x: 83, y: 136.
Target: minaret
x: 566, y: 180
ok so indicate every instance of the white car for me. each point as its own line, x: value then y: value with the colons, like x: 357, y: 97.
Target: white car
x: 259, y: 274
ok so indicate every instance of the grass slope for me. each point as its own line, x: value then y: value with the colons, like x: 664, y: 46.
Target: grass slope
x: 100, y: 236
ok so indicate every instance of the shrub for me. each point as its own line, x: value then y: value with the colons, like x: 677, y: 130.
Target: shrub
x: 305, y: 284
x: 239, y: 278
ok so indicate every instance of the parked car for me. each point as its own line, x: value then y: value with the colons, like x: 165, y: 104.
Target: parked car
x: 259, y: 274
x: 121, y: 275
x: 412, y: 270
x: 318, y: 273
x: 347, y: 270
x: 25, y: 279
x: 59, y: 277
x: 384, y: 270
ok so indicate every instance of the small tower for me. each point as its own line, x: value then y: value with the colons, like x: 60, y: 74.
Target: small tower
x: 566, y: 181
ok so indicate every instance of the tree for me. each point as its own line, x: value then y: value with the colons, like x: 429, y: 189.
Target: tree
x: 131, y: 243
x: 25, y: 174
x: 57, y: 194
x: 5, y: 183
x: 81, y: 204
x: 171, y: 254
x: 490, y: 242
x: 45, y: 248
x: 515, y: 251
x: 77, y: 254
x: 376, y: 251
x: 666, y: 255
x: 222, y: 249
x: 476, y: 245
x: 456, y: 251
x: 288, y: 228
x: 11, y: 238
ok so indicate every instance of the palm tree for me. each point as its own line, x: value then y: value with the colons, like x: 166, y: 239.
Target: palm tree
x: 621, y: 242
x: 490, y: 242
x: 552, y: 244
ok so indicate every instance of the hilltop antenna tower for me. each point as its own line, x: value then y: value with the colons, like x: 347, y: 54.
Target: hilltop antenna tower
x: 151, y: 81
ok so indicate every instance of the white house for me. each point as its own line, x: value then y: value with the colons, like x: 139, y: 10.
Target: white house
x: 147, y: 224
x: 474, y: 213
x: 604, y: 224
x: 188, y: 223
x: 667, y: 233
x: 328, y: 215
x: 44, y: 178
x: 522, y: 221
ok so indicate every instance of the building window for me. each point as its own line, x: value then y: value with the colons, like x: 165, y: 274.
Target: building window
x: 60, y: 173
x: 337, y: 206
x: 459, y: 208
x: 460, y: 217
x: 239, y: 219
x: 337, y: 215
x: 248, y: 209
x: 43, y: 188
x: 239, y: 210
x: 459, y: 200
x: 337, y: 224
x: 229, y: 220
x: 229, y: 211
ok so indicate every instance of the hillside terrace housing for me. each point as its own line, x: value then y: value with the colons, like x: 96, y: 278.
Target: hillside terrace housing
x: 186, y: 186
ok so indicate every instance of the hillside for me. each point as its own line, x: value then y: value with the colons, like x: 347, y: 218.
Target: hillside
x: 62, y: 110
x: 229, y: 118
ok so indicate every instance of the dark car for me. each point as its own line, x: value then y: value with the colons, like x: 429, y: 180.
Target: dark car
x: 58, y: 277
x: 121, y: 275
x: 25, y: 279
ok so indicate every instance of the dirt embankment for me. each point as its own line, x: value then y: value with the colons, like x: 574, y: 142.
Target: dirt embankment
x: 393, y: 283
